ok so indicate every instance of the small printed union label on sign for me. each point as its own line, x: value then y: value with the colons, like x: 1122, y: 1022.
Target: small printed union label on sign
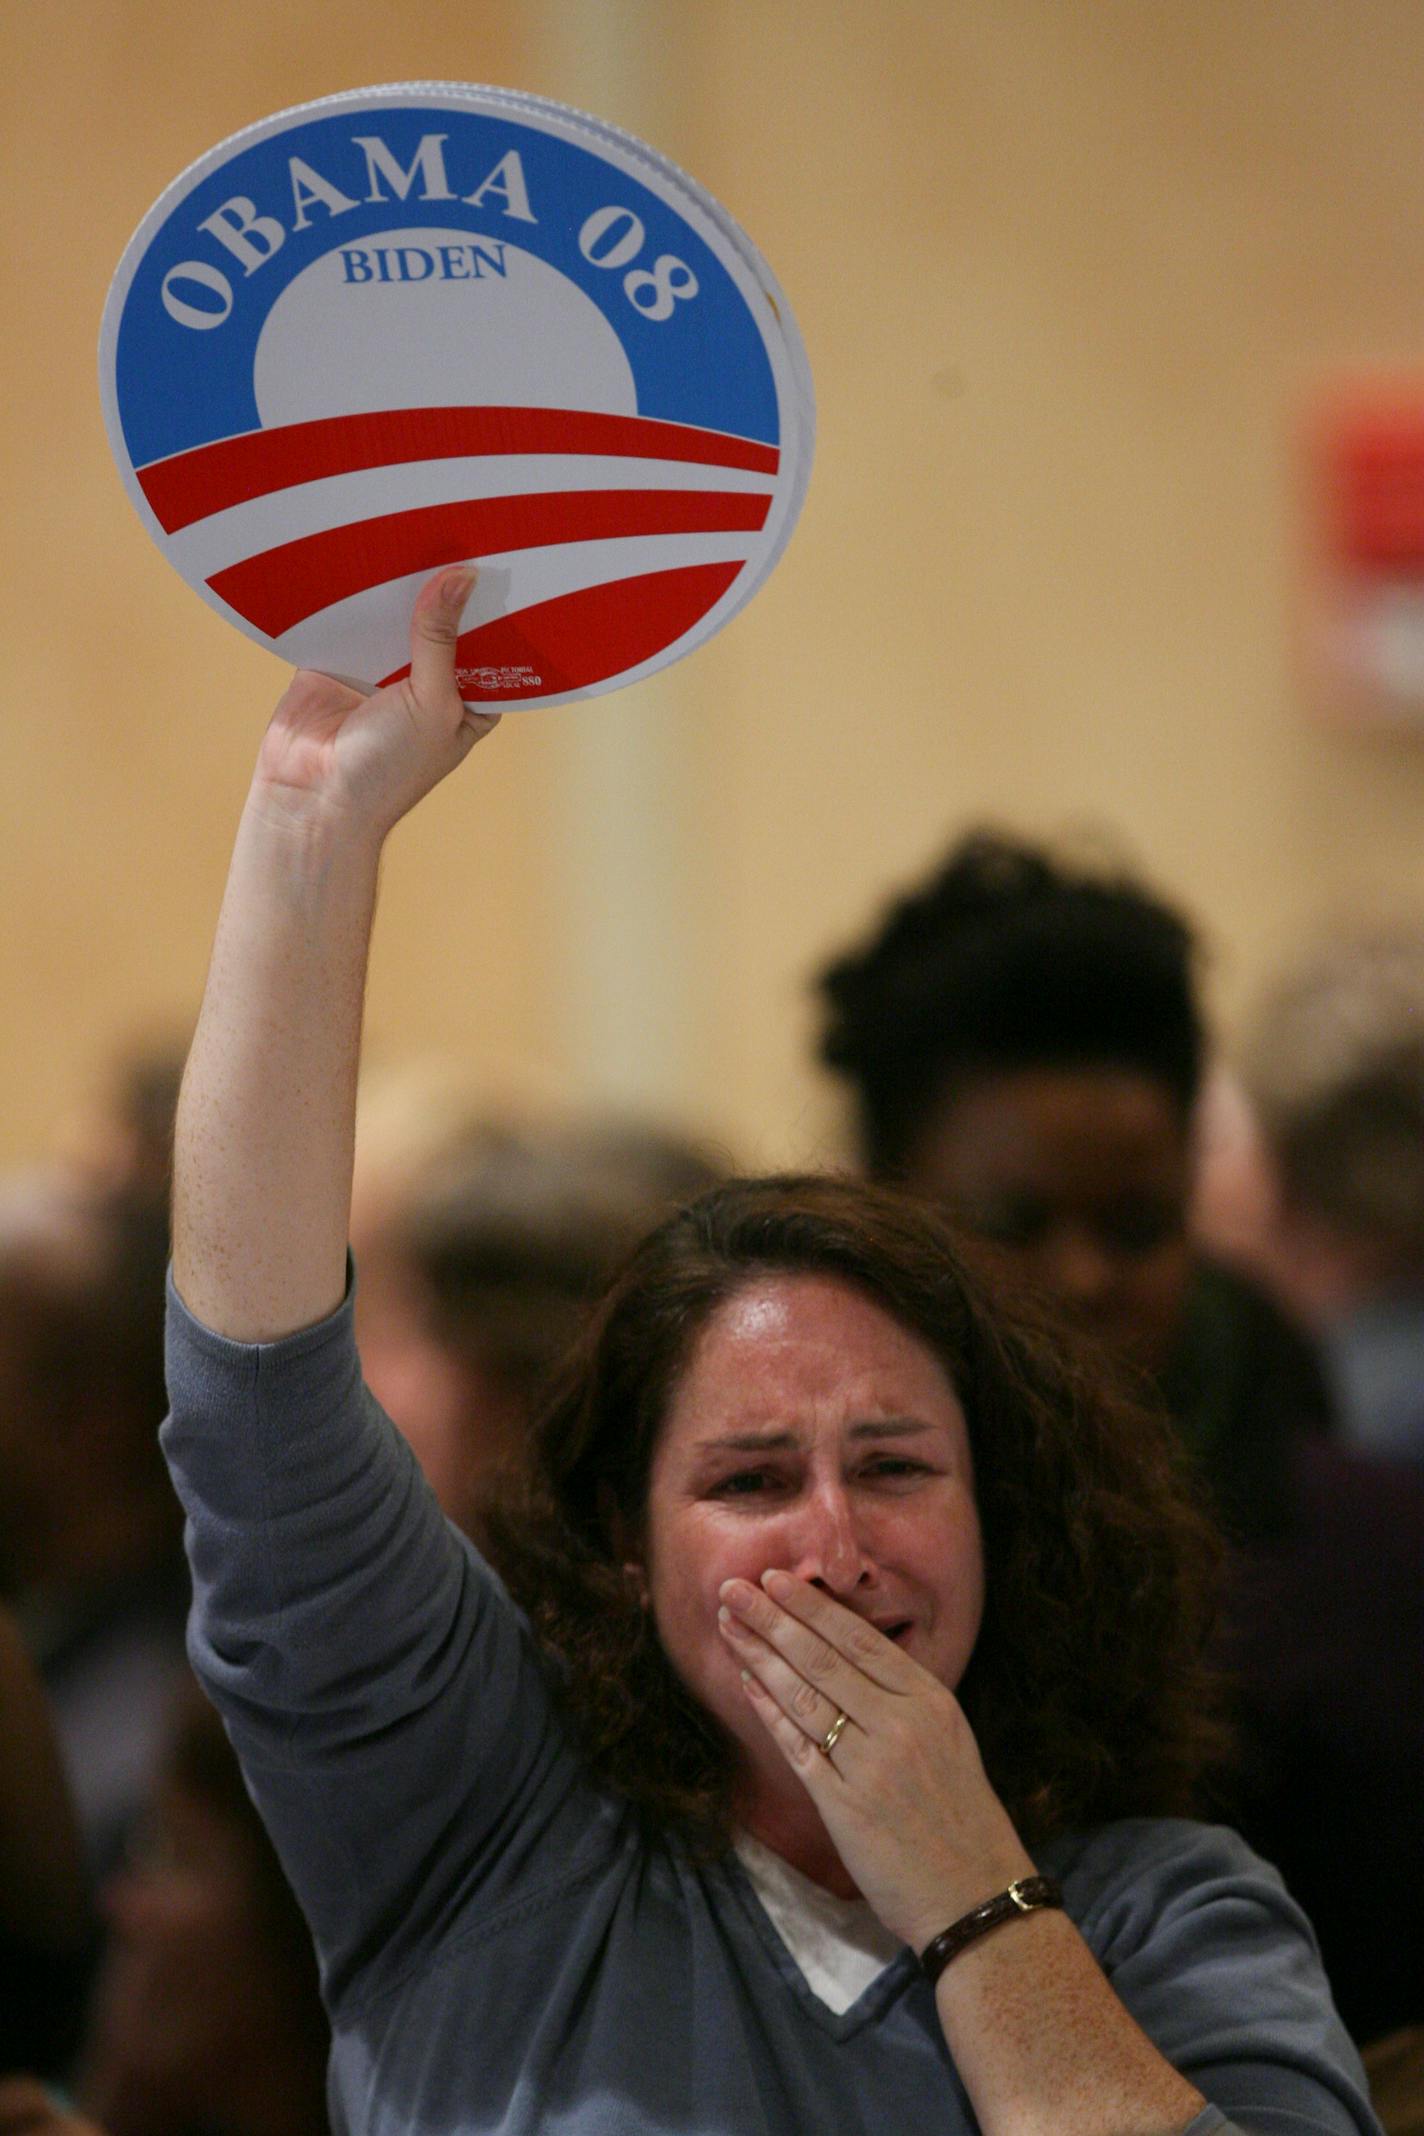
x: 429, y: 324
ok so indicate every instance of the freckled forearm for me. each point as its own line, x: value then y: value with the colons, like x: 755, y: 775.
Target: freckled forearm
x: 262, y: 1162
x: 1044, y: 2046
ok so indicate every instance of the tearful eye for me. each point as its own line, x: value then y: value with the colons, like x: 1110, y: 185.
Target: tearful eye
x: 745, y: 1483
x: 896, y: 1468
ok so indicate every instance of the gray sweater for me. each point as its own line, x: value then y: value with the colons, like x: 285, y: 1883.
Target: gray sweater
x: 502, y: 1947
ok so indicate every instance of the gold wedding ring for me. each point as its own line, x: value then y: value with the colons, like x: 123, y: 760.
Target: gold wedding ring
x: 832, y: 1735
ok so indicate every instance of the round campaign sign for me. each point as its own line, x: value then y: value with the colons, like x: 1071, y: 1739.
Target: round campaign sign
x: 428, y: 324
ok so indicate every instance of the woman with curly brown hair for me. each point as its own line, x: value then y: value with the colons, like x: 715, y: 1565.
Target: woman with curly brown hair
x: 1084, y: 1680
x: 826, y: 1777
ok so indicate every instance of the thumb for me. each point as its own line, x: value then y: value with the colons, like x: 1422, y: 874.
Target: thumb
x: 435, y: 630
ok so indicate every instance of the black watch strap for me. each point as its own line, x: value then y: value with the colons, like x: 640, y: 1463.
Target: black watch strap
x: 1025, y: 1896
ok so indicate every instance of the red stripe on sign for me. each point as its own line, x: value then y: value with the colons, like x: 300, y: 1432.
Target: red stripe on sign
x: 581, y: 638
x: 284, y: 585
x: 192, y: 485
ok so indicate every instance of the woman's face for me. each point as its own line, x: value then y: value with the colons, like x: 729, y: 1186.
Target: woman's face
x: 810, y: 1431
x: 1076, y: 1180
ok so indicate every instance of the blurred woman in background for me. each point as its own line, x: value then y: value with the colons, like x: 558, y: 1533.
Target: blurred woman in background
x: 1024, y: 1045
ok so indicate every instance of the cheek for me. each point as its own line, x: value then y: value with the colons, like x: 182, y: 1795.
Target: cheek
x: 1171, y: 1274
x: 972, y: 1578
x: 687, y: 1563
x: 1158, y: 1291
x: 949, y: 1565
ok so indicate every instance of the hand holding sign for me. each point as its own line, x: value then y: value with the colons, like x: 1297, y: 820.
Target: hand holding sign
x: 416, y: 323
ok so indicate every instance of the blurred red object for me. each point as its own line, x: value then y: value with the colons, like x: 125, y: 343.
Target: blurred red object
x: 1364, y: 622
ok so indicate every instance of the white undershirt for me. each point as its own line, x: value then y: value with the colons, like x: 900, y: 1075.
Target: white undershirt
x: 839, y: 1944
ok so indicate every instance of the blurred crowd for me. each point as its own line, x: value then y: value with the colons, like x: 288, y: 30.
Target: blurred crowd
x: 1023, y: 1041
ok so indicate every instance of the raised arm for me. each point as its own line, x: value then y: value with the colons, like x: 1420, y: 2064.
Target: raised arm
x: 262, y: 1159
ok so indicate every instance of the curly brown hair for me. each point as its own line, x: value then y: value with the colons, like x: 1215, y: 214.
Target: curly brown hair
x: 1088, y: 1690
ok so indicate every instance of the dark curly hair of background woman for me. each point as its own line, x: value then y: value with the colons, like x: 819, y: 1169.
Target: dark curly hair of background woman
x: 1007, y: 957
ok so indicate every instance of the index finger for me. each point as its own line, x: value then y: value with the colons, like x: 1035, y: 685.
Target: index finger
x: 852, y: 1635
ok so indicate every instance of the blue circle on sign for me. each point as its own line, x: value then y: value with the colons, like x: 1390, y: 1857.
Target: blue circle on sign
x: 413, y: 325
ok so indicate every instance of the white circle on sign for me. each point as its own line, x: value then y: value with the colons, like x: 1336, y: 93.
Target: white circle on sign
x: 435, y: 318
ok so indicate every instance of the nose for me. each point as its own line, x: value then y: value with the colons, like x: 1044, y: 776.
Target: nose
x: 1080, y: 1269
x: 827, y: 1547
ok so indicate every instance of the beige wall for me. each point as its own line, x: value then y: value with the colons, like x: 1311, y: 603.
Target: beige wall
x: 1065, y: 272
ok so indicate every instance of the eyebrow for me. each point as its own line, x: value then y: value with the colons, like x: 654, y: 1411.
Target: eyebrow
x: 772, y: 1442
